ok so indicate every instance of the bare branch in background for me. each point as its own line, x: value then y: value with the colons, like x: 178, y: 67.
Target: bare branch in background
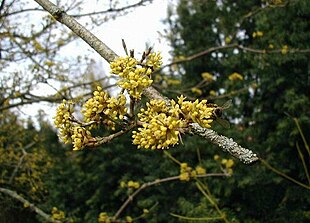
x: 26, y: 203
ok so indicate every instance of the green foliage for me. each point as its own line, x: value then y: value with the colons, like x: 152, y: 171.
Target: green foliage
x: 274, y: 89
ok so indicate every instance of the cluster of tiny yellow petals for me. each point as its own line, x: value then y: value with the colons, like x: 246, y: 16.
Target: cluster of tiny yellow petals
x: 130, y: 184
x: 284, y: 49
x: 103, y: 108
x: 62, y: 120
x: 133, y: 184
x: 257, y: 34
x: 161, y: 126
x: 186, y: 172
x: 94, y: 107
x: 226, y: 164
x: 197, y: 111
x: 123, y: 65
x: 57, y: 214
x: 136, y: 81
x: 128, y: 219
x: 196, y: 90
x: 104, y: 218
x: 207, y: 76
x: 235, y: 76
x: 154, y: 60
x: 173, y: 82
x: 200, y: 170
x: 80, y: 137
x: 134, y: 77
x: 116, y: 107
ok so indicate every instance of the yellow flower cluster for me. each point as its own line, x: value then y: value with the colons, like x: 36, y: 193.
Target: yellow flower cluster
x: 284, y: 49
x: 81, y: 137
x: 154, y: 60
x: 200, y: 170
x: 130, y: 184
x: 186, y: 172
x: 104, y: 218
x: 235, y: 76
x: 62, y: 120
x: 57, y: 214
x: 161, y: 126
x: 197, y: 111
x: 128, y: 219
x: 196, y: 90
x: 227, y: 164
x: 207, y: 76
x: 105, y: 109
x: 257, y: 34
x: 135, y: 77
x: 173, y: 82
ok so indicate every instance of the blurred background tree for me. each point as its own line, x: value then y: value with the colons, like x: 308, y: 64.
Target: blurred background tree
x: 265, y: 70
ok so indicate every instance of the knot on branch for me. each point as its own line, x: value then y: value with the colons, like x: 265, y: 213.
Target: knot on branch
x: 57, y: 12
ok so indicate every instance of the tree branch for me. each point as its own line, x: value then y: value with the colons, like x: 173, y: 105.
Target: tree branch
x: 32, y: 207
x: 226, y: 144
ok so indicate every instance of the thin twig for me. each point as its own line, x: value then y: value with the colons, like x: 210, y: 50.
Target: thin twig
x: 31, y: 206
x: 156, y: 182
x: 21, y: 159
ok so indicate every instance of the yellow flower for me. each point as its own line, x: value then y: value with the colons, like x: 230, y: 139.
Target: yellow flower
x: 196, y: 91
x: 123, y: 184
x: 257, y: 34
x: 229, y: 163
x: 62, y: 120
x: 216, y: 157
x: 57, y: 214
x: 80, y: 138
x: 128, y: 219
x: 227, y: 39
x: 103, y: 218
x: 133, y: 184
x: 184, y: 176
x: 235, y: 76
x: 200, y: 170
x: 224, y: 161
x: 212, y: 93
x: 271, y: 46
x: 230, y: 171
x: 197, y: 111
x: 183, y: 166
x: 161, y: 126
x: 154, y: 60
x: 207, y: 76
x: 102, y: 108
x: 284, y: 49
x: 135, y: 76
x: 173, y: 82
x: 134, y: 79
